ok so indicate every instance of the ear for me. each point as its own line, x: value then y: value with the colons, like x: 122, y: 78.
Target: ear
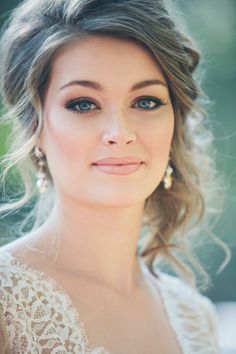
x: 41, y: 140
x: 40, y: 145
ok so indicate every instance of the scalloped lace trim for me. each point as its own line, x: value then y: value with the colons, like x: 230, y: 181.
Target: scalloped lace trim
x: 61, y: 321
x: 191, y: 315
x: 56, y: 325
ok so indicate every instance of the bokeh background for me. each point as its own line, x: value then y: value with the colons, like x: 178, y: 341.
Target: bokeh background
x: 213, y: 24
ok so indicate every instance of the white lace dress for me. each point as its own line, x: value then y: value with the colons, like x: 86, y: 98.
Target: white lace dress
x: 40, y: 316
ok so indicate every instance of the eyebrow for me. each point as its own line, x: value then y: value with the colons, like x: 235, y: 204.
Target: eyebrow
x: 98, y: 87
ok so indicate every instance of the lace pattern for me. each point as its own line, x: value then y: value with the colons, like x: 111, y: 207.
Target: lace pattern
x: 40, y: 316
x: 192, y: 316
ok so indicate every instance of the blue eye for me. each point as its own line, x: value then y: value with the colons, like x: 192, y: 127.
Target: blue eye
x: 85, y: 105
x: 79, y: 105
x: 150, y: 103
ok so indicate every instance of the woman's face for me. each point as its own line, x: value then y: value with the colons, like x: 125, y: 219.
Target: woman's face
x: 117, y: 117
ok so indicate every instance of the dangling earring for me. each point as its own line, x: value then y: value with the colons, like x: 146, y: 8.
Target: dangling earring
x: 42, y: 182
x: 167, y: 180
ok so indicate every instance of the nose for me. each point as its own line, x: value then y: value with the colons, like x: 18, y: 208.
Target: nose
x: 118, y: 131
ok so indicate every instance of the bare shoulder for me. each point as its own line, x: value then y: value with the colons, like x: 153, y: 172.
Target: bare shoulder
x: 28, y: 249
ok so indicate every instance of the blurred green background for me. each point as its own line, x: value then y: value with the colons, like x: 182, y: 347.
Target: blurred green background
x: 213, y: 24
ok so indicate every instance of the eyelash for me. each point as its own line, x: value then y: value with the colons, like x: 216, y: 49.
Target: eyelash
x: 71, y: 104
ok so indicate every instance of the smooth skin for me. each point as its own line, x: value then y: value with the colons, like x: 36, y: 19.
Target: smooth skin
x: 97, y: 217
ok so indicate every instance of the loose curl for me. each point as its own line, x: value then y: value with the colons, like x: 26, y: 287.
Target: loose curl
x: 34, y: 33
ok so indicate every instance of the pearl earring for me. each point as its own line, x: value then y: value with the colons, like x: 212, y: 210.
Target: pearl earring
x: 167, y: 180
x: 42, y: 182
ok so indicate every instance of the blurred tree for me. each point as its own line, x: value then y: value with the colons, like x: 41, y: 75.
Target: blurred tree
x: 213, y: 24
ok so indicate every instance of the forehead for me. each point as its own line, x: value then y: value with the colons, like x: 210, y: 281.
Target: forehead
x: 104, y: 57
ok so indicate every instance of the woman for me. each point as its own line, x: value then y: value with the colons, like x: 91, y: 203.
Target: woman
x: 81, y: 279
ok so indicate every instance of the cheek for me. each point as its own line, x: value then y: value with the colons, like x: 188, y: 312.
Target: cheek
x: 159, y: 136
x: 62, y: 137
x: 66, y: 147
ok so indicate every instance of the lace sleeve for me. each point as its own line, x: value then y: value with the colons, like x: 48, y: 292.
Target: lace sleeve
x: 8, y: 311
x: 192, y: 316
x: 38, y: 315
x: 10, y: 327
x: 4, y: 340
x: 212, y: 321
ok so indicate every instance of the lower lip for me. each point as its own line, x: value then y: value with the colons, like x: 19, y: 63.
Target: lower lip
x: 119, y: 170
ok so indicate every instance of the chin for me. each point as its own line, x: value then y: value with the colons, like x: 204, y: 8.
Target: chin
x: 117, y: 202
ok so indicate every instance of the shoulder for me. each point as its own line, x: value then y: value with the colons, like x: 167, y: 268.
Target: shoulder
x: 187, y: 295
x: 12, y: 299
x: 192, y: 312
x: 18, y: 284
x: 181, y: 289
x: 28, y: 292
x: 7, y: 272
x: 12, y: 280
x: 27, y: 304
x: 189, y: 299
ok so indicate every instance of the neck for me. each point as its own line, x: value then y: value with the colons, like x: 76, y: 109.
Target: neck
x: 97, y: 242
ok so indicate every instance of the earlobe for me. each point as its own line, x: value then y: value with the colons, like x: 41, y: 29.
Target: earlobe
x: 39, y: 146
x: 40, y: 136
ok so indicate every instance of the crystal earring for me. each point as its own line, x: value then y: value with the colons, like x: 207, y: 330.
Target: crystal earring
x: 167, y: 180
x: 42, y: 182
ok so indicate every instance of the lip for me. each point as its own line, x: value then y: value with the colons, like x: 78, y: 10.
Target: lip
x: 125, y: 169
x: 130, y: 160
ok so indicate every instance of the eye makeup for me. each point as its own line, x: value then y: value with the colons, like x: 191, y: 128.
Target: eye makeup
x: 82, y: 105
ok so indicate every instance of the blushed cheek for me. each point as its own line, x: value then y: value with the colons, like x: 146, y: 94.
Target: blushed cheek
x: 60, y: 137
x: 162, y: 136
x: 161, y: 148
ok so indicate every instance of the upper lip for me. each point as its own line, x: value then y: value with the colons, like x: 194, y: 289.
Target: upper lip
x: 118, y: 161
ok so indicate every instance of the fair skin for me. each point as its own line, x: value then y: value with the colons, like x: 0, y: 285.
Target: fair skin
x: 97, y: 217
x: 72, y: 141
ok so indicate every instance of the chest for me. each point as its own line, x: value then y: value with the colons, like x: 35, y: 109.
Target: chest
x: 129, y: 331
x: 136, y: 325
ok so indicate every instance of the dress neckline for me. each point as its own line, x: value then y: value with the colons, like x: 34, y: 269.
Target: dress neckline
x: 155, y: 283
x: 58, y: 288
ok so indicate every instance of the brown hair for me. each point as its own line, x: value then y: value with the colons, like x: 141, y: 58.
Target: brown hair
x: 35, y: 31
